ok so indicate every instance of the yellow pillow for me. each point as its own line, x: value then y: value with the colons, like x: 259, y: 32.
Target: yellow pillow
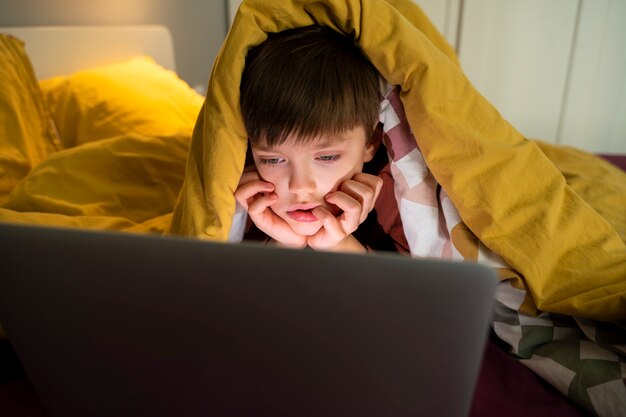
x: 136, y: 96
x: 26, y: 135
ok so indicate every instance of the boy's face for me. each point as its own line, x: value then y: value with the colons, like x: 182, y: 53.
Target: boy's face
x: 303, y: 174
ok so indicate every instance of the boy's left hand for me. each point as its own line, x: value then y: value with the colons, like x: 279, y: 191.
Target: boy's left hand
x: 356, y: 197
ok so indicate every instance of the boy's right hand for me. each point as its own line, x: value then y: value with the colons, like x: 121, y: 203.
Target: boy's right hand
x: 256, y: 196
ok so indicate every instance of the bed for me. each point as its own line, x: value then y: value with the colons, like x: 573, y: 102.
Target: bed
x: 89, y: 127
x: 129, y: 102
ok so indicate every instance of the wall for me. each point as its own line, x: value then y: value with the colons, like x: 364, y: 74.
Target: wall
x: 555, y: 69
x: 198, y: 26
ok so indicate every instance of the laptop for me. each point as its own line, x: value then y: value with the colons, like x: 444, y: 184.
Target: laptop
x: 122, y: 324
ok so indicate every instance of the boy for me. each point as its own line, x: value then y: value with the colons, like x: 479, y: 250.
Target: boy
x: 310, y: 103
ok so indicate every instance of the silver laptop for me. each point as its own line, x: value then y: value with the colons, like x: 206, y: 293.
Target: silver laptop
x: 120, y: 324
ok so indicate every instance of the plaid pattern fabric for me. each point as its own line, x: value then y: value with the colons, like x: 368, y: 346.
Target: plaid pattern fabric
x: 427, y: 214
x: 584, y: 359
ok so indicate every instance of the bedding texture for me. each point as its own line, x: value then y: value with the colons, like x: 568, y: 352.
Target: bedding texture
x: 28, y: 136
x: 550, y: 219
x: 136, y: 96
x: 132, y: 122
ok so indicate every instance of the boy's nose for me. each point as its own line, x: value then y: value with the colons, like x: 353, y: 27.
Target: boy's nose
x: 301, y: 181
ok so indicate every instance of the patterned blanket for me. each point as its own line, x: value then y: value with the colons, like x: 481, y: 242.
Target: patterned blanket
x: 582, y: 358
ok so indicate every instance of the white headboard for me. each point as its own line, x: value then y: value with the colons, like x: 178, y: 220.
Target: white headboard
x: 61, y: 50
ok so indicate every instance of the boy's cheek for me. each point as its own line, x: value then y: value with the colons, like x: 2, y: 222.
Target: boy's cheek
x: 266, y: 175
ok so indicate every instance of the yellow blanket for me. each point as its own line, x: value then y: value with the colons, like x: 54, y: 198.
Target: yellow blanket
x: 508, y: 193
x: 556, y: 216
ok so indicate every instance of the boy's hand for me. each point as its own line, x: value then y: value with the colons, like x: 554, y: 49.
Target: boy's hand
x: 256, y: 196
x: 356, y: 197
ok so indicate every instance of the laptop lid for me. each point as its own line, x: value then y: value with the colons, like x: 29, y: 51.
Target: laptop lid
x: 109, y: 323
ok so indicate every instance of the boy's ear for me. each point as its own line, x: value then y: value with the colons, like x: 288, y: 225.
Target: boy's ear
x: 374, y: 143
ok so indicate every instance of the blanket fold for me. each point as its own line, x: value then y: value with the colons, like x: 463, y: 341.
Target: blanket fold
x: 507, y: 192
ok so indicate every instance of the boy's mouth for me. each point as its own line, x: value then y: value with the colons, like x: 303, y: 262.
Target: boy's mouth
x: 302, y: 216
x: 303, y: 213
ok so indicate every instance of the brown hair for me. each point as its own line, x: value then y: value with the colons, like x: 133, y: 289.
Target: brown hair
x: 308, y: 81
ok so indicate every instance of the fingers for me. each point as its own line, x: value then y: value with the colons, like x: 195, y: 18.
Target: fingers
x: 330, y: 234
x: 249, y: 192
x: 366, y: 185
x: 364, y: 188
x: 256, y: 196
x: 259, y: 204
x: 330, y: 223
x: 351, y: 207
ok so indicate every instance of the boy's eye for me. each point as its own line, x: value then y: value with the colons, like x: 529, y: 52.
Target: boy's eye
x: 271, y: 161
x: 329, y: 158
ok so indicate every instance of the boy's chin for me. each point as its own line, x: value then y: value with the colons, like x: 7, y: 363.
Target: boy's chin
x: 306, y: 229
